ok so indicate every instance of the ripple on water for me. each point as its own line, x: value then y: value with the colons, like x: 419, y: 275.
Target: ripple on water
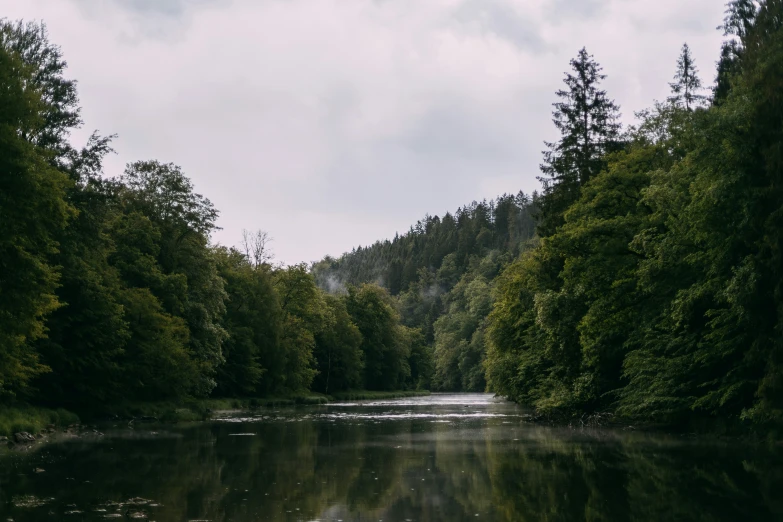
x: 436, y: 407
x: 411, y: 415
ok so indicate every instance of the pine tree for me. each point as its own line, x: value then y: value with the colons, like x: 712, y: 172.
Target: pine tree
x: 686, y: 84
x: 726, y: 69
x: 588, y: 123
x: 740, y: 18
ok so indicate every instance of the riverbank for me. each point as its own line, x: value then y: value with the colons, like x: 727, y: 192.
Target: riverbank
x: 694, y: 426
x: 35, y: 420
x: 202, y: 409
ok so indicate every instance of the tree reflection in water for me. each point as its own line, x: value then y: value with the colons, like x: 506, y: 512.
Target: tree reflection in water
x: 432, y: 459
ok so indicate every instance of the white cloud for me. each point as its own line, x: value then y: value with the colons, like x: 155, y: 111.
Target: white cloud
x: 333, y: 123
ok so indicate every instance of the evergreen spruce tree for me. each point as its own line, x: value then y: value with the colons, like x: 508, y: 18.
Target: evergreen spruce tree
x: 588, y: 123
x: 726, y: 68
x: 740, y: 17
x: 686, y: 85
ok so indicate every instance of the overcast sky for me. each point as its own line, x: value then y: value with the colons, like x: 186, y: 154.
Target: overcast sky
x: 334, y: 123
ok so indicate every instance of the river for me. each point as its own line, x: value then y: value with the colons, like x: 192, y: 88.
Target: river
x: 446, y: 457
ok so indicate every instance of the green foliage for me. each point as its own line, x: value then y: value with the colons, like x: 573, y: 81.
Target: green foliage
x: 87, y: 335
x: 655, y: 289
x: 739, y: 20
x: 567, y: 313
x: 303, y: 317
x: 182, y: 220
x: 33, y: 420
x: 60, y: 111
x: 424, y: 268
x: 252, y: 321
x: 459, y: 335
x: 111, y: 293
x: 156, y: 363
x: 338, y: 350
x: 431, y: 257
x: 587, y: 121
x: 659, y: 295
x: 420, y: 360
x: 33, y: 210
x: 687, y: 84
x: 518, y: 365
x: 385, y: 343
x: 721, y: 331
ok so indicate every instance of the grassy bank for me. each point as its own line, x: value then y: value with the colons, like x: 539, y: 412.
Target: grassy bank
x: 32, y: 419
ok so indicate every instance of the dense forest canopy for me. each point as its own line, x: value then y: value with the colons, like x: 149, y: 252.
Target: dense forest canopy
x: 643, y: 281
x: 441, y: 275
x: 111, y: 290
x: 652, y: 288
x: 658, y: 294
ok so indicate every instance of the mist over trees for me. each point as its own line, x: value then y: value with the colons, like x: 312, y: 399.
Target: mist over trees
x: 645, y: 281
x: 440, y: 275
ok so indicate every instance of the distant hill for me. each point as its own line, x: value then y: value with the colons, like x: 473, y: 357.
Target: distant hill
x: 428, y: 270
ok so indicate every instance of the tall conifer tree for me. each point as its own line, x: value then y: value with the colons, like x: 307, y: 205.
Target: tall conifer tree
x: 686, y: 85
x: 739, y: 20
x: 588, y: 123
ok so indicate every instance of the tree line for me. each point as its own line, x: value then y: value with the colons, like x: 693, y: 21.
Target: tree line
x: 441, y: 275
x: 655, y: 290
x: 111, y: 290
x: 646, y: 280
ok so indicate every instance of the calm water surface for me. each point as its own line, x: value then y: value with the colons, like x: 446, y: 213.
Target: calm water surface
x: 438, y: 458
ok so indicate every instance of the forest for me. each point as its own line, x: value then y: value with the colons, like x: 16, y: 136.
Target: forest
x: 112, y: 291
x: 644, y: 281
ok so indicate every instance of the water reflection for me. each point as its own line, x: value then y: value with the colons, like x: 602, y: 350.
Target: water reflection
x: 442, y: 458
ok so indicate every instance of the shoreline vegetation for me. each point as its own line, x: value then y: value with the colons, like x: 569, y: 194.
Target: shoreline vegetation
x: 113, y: 292
x: 652, y: 289
x: 48, y: 425
x: 36, y: 420
x: 642, y: 286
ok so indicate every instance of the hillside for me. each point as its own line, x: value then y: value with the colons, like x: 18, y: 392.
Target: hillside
x: 441, y: 274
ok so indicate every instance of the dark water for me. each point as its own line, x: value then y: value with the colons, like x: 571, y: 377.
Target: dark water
x: 444, y: 457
